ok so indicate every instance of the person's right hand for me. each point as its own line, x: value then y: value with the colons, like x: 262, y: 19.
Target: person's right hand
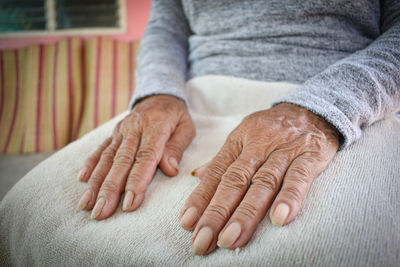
x: 156, y: 132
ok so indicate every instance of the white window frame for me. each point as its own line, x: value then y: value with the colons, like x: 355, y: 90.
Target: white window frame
x: 52, y: 31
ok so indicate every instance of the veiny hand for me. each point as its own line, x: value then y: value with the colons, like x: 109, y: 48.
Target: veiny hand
x: 156, y: 132
x: 272, y: 157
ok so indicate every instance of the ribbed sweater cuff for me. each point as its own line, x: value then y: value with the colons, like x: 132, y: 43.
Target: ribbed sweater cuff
x: 157, y: 89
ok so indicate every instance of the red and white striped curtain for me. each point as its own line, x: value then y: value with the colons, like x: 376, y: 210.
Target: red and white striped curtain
x: 52, y: 94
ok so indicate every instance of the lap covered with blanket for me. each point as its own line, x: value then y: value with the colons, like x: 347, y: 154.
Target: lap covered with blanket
x: 350, y: 215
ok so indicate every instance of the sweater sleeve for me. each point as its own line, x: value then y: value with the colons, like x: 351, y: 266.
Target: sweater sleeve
x: 361, y: 88
x: 162, y: 56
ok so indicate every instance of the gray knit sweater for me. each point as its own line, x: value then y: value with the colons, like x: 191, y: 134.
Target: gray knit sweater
x: 344, y: 53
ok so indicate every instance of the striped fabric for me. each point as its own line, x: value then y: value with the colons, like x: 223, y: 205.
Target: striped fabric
x: 52, y: 94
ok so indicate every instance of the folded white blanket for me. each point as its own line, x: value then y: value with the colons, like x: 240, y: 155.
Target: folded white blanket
x: 350, y: 216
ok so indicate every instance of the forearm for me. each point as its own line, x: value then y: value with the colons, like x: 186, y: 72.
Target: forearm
x: 358, y: 90
x: 162, y: 57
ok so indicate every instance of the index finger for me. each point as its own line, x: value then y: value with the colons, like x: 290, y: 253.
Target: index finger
x: 148, y: 156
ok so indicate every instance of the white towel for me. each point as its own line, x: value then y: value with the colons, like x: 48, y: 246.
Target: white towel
x: 350, y: 216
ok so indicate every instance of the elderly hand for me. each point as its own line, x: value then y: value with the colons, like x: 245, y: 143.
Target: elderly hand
x: 156, y: 132
x: 272, y: 157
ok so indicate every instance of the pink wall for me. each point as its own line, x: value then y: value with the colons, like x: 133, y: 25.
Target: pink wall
x: 137, y: 15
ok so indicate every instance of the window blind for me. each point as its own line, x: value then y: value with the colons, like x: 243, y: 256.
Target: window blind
x: 53, y: 15
x: 22, y: 15
x: 86, y: 13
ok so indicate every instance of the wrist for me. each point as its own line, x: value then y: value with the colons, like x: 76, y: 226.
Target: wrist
x: 159, y: 99
x: 320, y: 122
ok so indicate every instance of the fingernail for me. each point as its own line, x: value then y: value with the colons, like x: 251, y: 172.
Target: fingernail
x: 280, y: 214
x: 194, y: 172
x: 203, y: 240
x: 230, y: 235
x: 85, y: 199
x: 174, y: 163
x: 137, y: 201
x: 98, y: 208
x: 200, y: 171
x: 82, y: 174
x: 128, y: 199
x: 189, y: 217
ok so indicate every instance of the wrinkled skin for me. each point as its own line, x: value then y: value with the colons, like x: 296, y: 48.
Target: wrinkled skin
x: 271, y: 158
x: 155, y: 133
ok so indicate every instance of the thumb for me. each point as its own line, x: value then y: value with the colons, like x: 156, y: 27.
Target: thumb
x: 176, y: 145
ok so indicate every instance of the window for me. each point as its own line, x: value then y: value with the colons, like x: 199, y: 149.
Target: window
x: 59, y: 17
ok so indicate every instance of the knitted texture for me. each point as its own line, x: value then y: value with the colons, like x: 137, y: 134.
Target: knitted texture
x: 349, y: 217
x: 345, y: 54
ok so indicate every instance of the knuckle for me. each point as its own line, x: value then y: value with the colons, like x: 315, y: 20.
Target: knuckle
x: 109, y: 152
x: 96, y: 180
x: 267, y: 181
x: 124, y: 158
x: 300, y: 171
x: 110, y: 187
x: 301, y: 182
x: 217, y: 212
x: 216, y: 170
x: 147, y: 153
x: 247, y: 210
x: 132, y: 133
x: 228, y: 186
x: 294, y: 193
x: 252, y: 159
x: 237, y: 177
x: 202, y: 195
x: 311, y: 157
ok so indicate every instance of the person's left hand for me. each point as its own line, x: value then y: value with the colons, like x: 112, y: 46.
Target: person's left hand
x: 272, y: 157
